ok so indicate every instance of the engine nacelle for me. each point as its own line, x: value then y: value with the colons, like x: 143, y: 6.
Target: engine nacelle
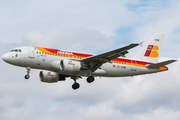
x: 70, y: 65
x: 48, y: 77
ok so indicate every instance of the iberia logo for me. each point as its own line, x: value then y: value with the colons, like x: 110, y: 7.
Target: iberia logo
x: 152, y: 51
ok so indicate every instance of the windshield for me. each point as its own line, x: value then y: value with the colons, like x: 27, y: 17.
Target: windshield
x: 16, y: 50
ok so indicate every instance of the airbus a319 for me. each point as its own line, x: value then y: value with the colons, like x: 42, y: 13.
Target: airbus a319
x: 60, y: 64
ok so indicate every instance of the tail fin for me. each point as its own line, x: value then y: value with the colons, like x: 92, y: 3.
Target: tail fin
x: 150, y: 52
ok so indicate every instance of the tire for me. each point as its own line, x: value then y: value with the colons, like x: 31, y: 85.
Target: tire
x: 75, y: 86
x: 90, y: 79
x: 26, y: 76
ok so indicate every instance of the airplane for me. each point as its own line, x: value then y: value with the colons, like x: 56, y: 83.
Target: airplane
x: 60, y: 64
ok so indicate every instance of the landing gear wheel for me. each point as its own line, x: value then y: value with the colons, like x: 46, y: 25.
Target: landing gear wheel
x: 90, y: 79
x: 75, y: 86
x: 28, y: 71
x: 27, y: 76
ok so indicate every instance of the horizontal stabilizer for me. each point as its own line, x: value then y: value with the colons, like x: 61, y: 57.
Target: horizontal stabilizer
x: 161, y: 64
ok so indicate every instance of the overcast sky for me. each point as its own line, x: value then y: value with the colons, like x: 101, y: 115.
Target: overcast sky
x: 92, y: 26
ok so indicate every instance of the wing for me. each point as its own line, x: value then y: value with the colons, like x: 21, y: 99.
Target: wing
x: 94, y: 62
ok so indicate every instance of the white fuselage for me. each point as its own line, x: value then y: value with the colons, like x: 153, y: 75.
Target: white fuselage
x: 30, y: 57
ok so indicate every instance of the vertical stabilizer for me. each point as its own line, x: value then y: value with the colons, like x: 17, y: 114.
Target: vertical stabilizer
x: 150, y: 52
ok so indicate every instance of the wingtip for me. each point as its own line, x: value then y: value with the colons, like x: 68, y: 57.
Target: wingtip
x: 174, y: 60
x: 141, y: 43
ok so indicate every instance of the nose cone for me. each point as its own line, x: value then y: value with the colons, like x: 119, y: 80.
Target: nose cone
x: 5, y: 57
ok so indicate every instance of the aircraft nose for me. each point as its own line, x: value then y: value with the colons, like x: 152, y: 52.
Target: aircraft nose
x: 5, y: 57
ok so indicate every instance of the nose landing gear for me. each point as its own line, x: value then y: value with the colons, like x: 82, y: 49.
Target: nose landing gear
x: 27, y: 76
x: 28, y: 71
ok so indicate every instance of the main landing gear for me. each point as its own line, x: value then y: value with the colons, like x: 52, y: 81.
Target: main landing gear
x: 76, y: 85
x: 90, y: 79
x: 28, y: 71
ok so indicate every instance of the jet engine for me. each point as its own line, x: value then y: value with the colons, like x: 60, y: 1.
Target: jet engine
x: 70, y: 65
x: 50, y: 77
x: 66, y: 65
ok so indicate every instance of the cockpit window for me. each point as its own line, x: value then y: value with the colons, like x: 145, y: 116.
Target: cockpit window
x: 12, y: 51
x: 16, y: 50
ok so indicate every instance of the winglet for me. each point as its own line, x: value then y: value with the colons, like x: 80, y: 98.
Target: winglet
x: 141, y: 43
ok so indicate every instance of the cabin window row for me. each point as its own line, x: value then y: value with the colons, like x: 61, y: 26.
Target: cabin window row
x: 61, y: 55
x: 118, y: 62
x: 75, y: 57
